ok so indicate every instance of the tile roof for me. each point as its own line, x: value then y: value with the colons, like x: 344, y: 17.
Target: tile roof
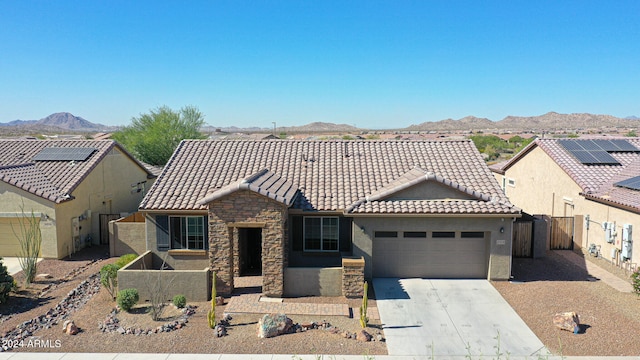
x: 329, y: 175
x: 596, y: 181
x: 51, y: 180
x: 433, y: 207
x: 263, y: 182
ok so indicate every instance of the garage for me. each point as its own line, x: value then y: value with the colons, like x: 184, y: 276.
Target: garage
x: 9, y: 244
x: 437, y: 254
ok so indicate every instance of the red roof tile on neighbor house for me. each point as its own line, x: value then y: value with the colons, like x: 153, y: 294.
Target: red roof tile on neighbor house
x: 329, y: 175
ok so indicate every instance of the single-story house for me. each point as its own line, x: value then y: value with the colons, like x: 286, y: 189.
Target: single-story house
x: 592, y: 182
x: 70, y: 186
x: 290, y: 209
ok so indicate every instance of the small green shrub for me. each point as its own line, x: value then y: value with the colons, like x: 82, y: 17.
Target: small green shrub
x: 7, y: 283
x: 635, y: 281
x: 109, y: 278
x: 127, y: 298
x: 211, y: 314
x: 124, y: 260
x: 364, y: 320
x: 179, y: 301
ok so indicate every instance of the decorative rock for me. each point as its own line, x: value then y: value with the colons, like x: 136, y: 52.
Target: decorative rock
x: 379, y: 337
x: 70, y: 328
x: 271, y: 325
x: 43, y: 277
x: 219, y: 300
x: 567, y: 321
x: 363, y: 336
x: 308, y: 326
x: 220, y: 330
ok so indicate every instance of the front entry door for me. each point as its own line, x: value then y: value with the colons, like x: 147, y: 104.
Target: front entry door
x: 250, y: 247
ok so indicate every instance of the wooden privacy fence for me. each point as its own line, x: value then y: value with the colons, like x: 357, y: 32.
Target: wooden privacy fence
x: 522, y: 239
x: 562, y: 233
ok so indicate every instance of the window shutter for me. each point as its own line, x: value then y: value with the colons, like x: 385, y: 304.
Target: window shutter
x: 345, y: 234
x: 206, y: 232
x: 163, y: 240
x: 297, y: 233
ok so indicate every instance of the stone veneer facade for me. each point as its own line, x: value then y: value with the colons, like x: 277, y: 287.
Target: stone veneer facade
x: 353, y: 277
x: 246, y: 209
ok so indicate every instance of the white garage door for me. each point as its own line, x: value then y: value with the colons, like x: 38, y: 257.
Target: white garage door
x: 430, y: 255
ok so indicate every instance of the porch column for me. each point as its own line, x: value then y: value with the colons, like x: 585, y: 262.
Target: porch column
x: 221, y: 255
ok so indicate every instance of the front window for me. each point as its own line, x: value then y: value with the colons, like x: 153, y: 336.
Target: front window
x: 321, y: 234
x: 187, y: 232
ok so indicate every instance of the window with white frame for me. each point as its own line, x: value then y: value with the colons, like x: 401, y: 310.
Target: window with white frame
x: 187, y: 232
x: 321, y: 234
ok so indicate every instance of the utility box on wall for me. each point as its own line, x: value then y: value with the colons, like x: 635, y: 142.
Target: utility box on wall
x: 609, y: 231
x: 626, y: 242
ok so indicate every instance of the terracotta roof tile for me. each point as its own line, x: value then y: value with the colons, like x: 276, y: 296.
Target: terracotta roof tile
x: 52, y: 180
x: 596, y: 181
x: 330, y: 175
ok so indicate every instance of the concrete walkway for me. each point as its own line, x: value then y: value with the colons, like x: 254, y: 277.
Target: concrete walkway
x: 596, y: 271
x: 13, y: 264
x: 257, y: 304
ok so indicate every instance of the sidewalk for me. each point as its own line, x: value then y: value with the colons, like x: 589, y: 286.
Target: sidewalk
x: 122, y: 356
x: 596, y: 271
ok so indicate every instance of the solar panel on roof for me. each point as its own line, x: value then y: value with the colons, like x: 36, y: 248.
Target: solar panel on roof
x: 570, y: 145
x: 591, y: 152
x: 603, y: 157
x: 584, y: 156
x: 632, y: 183
x: 624, y: 145
x: 64, y: 154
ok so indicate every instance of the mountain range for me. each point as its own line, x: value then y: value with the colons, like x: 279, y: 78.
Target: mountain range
x: 60, y: 121
x: 66, y: 122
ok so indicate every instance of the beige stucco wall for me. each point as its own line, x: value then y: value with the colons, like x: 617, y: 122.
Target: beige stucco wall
x: 195, y: 285
x: 314, y: 281
x: 106, y: 190
x: 500, y: 243
x: 127, y: 238
x: 429, y: 190
x: 542, y: 187
x: 13, y: 200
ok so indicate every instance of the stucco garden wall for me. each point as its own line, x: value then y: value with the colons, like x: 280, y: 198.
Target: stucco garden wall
x: 127, y: 237
x: 195, y: 285
x: 313, y: 281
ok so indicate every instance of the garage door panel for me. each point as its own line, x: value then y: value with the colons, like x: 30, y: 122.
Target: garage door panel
x: 430, y: 258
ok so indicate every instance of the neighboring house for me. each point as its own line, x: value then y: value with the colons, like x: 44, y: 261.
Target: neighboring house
x: 595, y: 182
x: 68, y: 185
x: 289, y: 210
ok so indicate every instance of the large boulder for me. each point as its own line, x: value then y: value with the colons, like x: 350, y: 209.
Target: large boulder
x: 567, y: 321
x: 271, y: 325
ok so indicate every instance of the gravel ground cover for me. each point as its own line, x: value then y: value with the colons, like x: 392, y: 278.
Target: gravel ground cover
x: 195, y: 337
x: 542, y: 287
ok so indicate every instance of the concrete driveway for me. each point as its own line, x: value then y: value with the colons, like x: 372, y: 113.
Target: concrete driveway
x: 13, y: 264
x: 450, y: 317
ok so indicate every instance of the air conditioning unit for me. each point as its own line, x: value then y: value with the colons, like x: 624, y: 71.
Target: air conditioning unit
x: 627, y: 241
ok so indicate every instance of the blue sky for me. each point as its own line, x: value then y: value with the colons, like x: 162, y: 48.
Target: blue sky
x: 373, y: 64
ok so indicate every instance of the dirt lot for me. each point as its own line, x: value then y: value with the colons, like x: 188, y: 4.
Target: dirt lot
x: 542, y: 287
x: 196, y: 337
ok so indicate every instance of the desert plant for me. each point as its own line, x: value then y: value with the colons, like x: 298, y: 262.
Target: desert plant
x: 127, y: 298
x: 158, y: 290
x: 6, y: 282
x: 124, y: 260
x: 211, y: 315
x: 109, y: 278
x: 30, y: 239
x: 635, y: 281
x: 179, y: 301
x: 364, y: 320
